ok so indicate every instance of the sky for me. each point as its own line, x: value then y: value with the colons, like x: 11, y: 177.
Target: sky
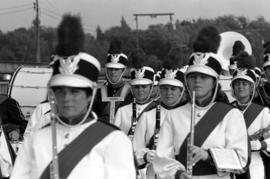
x: 107, y: 13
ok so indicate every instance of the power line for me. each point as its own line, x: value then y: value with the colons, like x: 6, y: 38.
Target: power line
x: 16, y: 7
x: 50, y: 15
x: 50, y: 11
x: 15, y: 11
x: 53, y: 7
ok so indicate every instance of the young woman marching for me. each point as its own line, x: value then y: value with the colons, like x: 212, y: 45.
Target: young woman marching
x: 257, y: 118
x: 220, y: 135
x: 147, y: 130
x: 142, y: 78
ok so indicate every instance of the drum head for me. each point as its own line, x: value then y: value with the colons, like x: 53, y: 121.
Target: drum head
x: 28, y: 86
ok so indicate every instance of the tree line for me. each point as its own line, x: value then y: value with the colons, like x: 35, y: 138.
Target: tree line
x: 157, y: 40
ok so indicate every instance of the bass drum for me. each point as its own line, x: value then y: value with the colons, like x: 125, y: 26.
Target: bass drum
x: 28, y: 86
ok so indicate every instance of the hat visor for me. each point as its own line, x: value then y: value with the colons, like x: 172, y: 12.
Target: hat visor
x: 202, y: 69
x: 266, y: 64
x: 114, y: 65
x: 143, y: 81
x: 70, y: 81
x: 172, y: 82
x: 243, y: 78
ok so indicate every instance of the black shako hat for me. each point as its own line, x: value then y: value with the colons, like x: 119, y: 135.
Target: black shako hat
x: 204, y: 59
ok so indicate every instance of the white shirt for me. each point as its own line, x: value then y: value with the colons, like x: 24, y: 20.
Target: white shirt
x: 111, y: 158
x: 230, y: 134
x: 123, y: 117
x: 39, y: 118
x: 256, y: 164
x: 145, y: 130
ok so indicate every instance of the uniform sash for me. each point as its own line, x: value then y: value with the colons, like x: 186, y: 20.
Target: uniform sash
x: 251, y: 113
x: 135, y: 118
x: 202, y: 130
x: 70, y: 156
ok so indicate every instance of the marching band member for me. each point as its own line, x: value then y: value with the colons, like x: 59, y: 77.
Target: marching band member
x: 263, y: 96
x: 147, y: 130
x: 257, y: 117
x: 220, y: 135
x: 83, y: 147
x: 264, y: 89
x: 12, y: 118
x: 141, y: 86
x: 115, y: 86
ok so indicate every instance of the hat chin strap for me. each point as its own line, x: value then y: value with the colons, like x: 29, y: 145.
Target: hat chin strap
x: 86, y: 114
x: 119, y: 79
x: 148, y: 97
x: 213, y: 96
x: 250, y: 100
x: 179, y: 99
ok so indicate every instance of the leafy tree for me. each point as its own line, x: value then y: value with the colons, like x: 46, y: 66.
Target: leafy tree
x: 100, y: 34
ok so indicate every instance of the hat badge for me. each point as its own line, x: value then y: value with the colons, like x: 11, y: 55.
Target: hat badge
x: 170, y: 74
x: 68, y: 66
x: 241, y: 72
x: 139, y: 74
x: 200, y: 59
x: 115, y: 58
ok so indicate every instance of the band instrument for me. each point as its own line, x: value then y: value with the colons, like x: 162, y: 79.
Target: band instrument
x: 260, y: 133
x: 133, y: 120
x: 54, y: 167
x: 157, y: 128
x: 190, y: 142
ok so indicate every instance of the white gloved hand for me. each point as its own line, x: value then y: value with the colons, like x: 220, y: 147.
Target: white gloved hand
x: 255, y: 145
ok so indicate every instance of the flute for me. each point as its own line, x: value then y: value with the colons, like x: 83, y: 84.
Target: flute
x: 54, y: 168
x: 190, y: 142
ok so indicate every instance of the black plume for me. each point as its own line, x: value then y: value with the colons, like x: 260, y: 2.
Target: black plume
x: 138, y: 58
x: 173, y: 59
x: 115, y: 47
x: 70, y: 36
x: 208, y: 40
x: 238, y: 46
x: 266, y: 47
x: 244, y: 60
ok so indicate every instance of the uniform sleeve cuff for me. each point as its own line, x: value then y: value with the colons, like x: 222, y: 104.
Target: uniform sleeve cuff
x: 263, y: 145
x: 178, y: 174
x: 145, y: 158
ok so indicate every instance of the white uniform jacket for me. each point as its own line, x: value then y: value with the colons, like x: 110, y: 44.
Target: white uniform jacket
x: 123, y: 117
x: 145, y: 130
x: 229, y: 134
x: 256, y: 165
x: 39, y: 118
x: 106, y: 160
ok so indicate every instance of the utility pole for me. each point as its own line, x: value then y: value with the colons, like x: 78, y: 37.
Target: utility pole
x: 152, y: 15
x: 37, y: 23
